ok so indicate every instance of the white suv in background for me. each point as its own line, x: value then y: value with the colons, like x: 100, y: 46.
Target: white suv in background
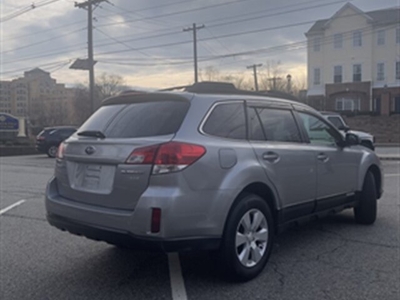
x: 366, y: 139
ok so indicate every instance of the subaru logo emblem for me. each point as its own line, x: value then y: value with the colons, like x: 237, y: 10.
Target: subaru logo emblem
x: 90, y: 150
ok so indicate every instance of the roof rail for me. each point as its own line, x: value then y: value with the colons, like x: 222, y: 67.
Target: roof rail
x: 215, y: 87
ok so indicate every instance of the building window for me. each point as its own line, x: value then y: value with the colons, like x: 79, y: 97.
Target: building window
x: 381, y: 37
x: 357, y: 39
x: 357, y: 73
x: 338, y: 41
x: 317, y: 44
x: 317, y: 76
x: 397, y: 70
x: 380, y: 75
x: 343, y: 104
x: 398, y: 35
x: 337, y: 74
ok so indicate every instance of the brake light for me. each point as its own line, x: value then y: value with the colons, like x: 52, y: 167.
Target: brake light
x: 143, y: 156
x: 61, y: 151
x: 40, y: 138
x: 167, y: 158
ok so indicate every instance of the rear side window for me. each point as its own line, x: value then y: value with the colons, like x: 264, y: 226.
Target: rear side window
x: 273, y: 125
x: 227, y: 121
x: 146, y: 119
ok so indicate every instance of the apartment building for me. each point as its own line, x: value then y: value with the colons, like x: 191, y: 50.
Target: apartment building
x: 354, y: 61
x: 36, y: 96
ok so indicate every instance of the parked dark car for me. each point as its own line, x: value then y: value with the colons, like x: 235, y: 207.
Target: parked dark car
x: 48, y: 140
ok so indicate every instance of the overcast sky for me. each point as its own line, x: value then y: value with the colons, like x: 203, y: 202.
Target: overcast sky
x: 143, y: 40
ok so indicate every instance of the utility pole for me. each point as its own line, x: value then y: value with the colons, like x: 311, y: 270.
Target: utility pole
x: 90, y: 5
x: 274, y: 80
x: 194, y: 29
x: 254, y: 67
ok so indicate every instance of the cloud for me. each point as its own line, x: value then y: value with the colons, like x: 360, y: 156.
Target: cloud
x: 52, y: 35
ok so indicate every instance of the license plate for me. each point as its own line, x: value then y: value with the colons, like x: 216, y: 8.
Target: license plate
x: 92, y: 177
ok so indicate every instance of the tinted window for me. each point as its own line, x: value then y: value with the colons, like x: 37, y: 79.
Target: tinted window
x: 148, y: 119
x: 318, y: 131
x: 101, y: 118
x: 273, y: 125
x: 227, y: 120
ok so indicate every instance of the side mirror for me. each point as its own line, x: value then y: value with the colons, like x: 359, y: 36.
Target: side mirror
x: 352, y: 140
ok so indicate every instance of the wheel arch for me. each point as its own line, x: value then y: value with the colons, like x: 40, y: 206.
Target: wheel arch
x: 378, y: 178
x: 265, y: 192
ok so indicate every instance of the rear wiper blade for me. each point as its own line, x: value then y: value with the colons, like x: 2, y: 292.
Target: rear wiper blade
x: 93, y: 133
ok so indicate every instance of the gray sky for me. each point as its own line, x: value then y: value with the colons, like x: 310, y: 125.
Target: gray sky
x: 143, y: 40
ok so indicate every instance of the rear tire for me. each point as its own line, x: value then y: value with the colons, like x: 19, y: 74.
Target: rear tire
x: 248, y: 238
x: 366, y: 211
x: 52, y: 151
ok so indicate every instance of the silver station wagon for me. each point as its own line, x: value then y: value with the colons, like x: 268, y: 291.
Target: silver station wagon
x: 208, y: 169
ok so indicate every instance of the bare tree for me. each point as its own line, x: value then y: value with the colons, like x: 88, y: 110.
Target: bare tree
x: 108, y: 85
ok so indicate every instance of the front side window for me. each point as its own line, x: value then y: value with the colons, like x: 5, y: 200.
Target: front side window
x: 357, y: 39
x: 381, y: 37
x: 227, y: 121
x: 380, y: 75
x: 338, y: 41
x: 357, y: 73
x: 319, y: 132
x: 397, y: 70
x: 270, y: 124
x: 337, y: 77
x: 317, y: 76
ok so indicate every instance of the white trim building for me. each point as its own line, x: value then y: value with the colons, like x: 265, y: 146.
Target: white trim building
x: 354, y: 61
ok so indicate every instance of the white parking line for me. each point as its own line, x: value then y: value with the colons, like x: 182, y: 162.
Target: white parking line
x: 392, y: 175
x: 175, y: 274
x: 11, y: 206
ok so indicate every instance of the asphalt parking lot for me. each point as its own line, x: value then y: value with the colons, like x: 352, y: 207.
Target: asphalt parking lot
x: 334, y: 258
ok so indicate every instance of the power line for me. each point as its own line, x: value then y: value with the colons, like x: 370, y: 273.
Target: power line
x: 176, y: 43
x: 120, y: 42
x: 25, y: 10
x: 215, y: 25
x: 43, y: 41
x: 177, y: 12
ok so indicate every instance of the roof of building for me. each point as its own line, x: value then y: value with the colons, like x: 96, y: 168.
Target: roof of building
x: 378, y: 17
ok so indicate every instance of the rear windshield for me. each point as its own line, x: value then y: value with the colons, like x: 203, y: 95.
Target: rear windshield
x: 141, y: 119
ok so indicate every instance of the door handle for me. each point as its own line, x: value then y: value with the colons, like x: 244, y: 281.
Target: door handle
x: 270, y: 156
x: 322, y: 157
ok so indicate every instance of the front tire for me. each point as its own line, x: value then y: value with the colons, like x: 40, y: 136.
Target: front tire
x: 248, y: 238
x: 366, y: 211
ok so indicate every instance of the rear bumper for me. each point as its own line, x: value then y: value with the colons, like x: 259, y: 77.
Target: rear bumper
x: 126, y: 239
x: 182, y: 227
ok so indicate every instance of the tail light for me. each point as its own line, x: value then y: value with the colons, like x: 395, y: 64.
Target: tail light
x: 167, y: 158
x: 40, y: 138
x: 61, y: 151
